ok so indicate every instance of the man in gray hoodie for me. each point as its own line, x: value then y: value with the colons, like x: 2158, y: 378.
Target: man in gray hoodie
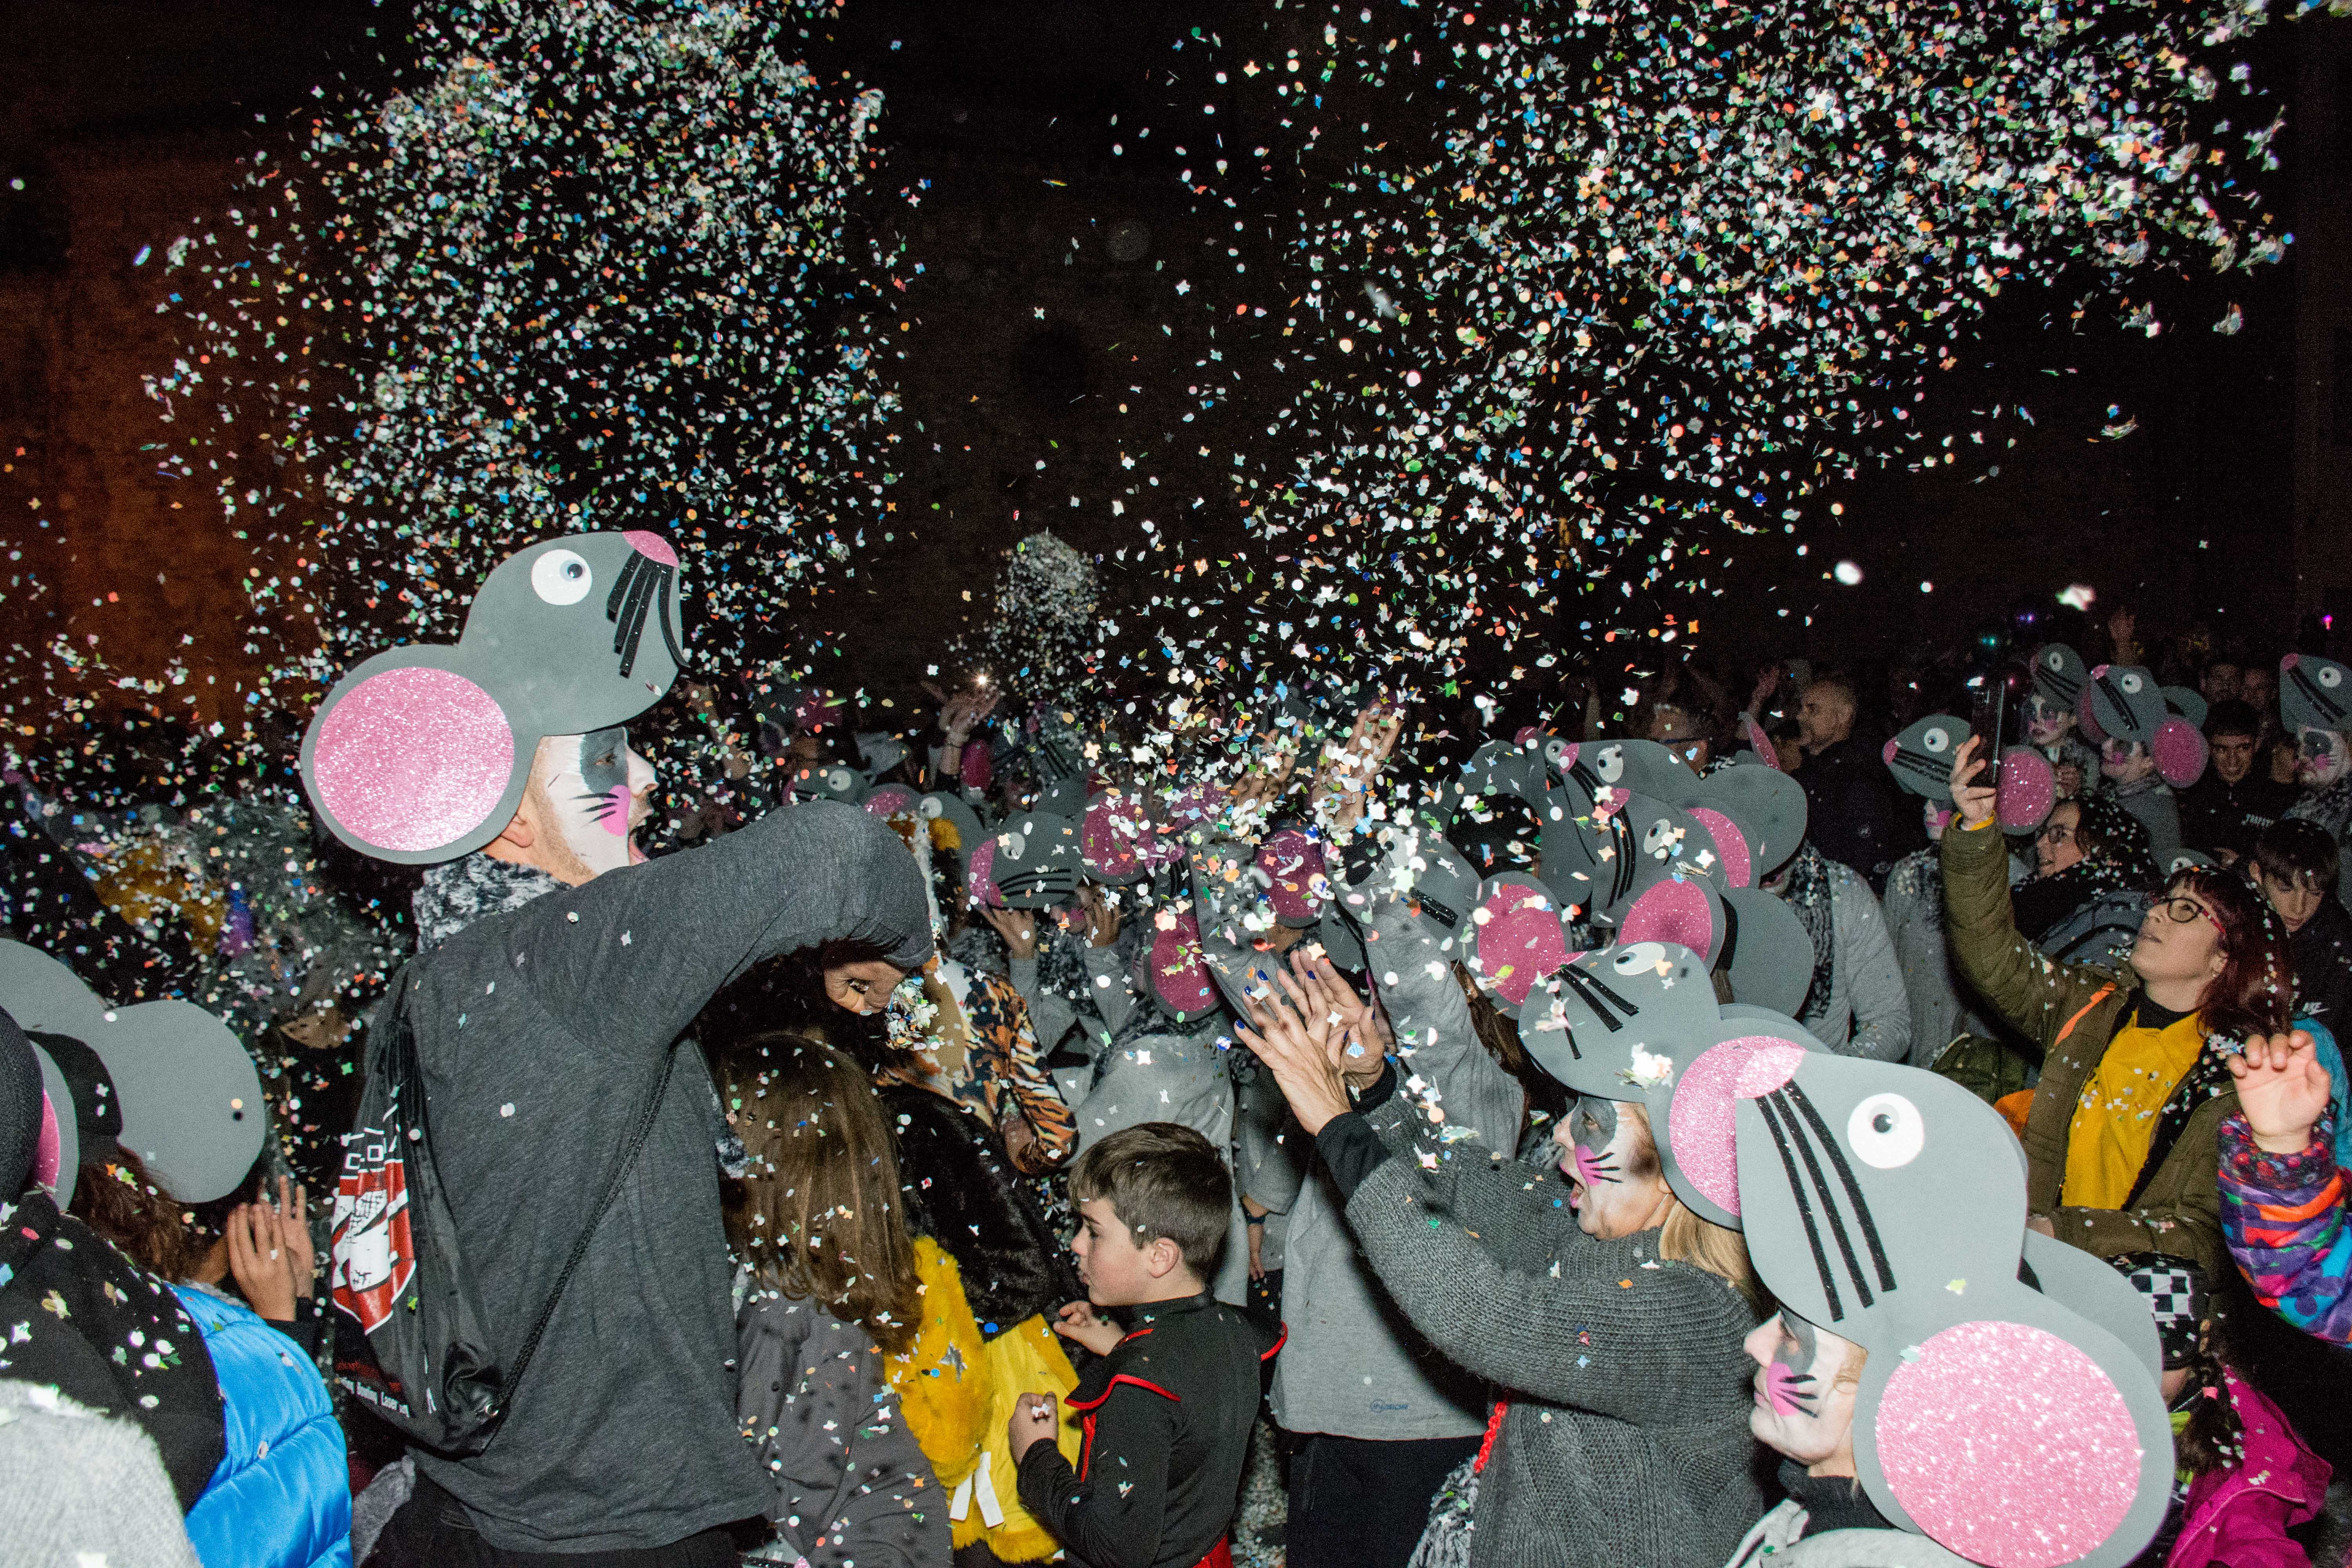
x: 558, y: 971
x: 1379, y: 1415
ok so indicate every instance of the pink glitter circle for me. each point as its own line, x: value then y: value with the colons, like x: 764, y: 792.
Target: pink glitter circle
x: 1730, y: 845
x: 2027, y: 790
x: 1671, y: 912
x: 650, y: 545
x: 980, y: 875
x: 892, y: 800
x: 1770, y: 1063
x: 1702, y: 1121
x: 2007, y: 1445
x: 48, y: 1154
x: 1112, y: 836
x: 1177, y: 971
x: 2180, y: 753
x: 1520, y: 945
x: 413, y: 760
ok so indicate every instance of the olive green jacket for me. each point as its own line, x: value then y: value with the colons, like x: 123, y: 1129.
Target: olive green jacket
x: 2072, y: 1011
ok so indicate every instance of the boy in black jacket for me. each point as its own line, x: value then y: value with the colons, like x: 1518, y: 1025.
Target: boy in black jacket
x: 1168, y: 1409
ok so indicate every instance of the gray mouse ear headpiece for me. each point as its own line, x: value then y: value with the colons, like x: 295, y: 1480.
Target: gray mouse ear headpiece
x: 188, y: 1093
x: 1649, y: 840
x: 2121, y: 701
x: 1756, y: 815
x: 1920, y: 758
x: 1645, y: 767
x: 1887, y: 1205
x: 1037, y: 862
x: 2314, y: 693
x: 2058, y: 674
x: 1439, y: 890
x: 830, y: 781
x: 1671, y: 1049
x: 1766, y: 955
x: 420, y: 753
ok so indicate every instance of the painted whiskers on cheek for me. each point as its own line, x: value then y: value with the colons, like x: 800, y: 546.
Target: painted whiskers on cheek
x: 1592, y: 1170
x: 1790, y: 1393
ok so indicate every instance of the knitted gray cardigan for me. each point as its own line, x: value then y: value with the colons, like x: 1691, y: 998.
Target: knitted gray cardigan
x: 1626, y: 1442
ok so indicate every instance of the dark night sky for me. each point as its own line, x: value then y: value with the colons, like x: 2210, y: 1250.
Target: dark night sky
x: 992, y: 102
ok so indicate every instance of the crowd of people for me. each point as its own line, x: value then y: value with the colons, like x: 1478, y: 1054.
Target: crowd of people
x: 1892, y: 1125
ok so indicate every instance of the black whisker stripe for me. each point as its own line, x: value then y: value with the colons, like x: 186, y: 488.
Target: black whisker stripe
x: 666, y: 597
x: 2106, y: 683
x: 1789, y: 1097
x: 2066, y: 686
x: 1621, y: 881
x: 1804, y: 1209
x: 630, y: 635
x: 1599, y: 997
x: 1921, y: 760
x: 2310, y: 689
x: 1852, y: 1188
x: 620, y: 586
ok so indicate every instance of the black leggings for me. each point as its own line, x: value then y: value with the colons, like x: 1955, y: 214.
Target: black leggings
x: 1360, y: 1504
x: 432, y: 1530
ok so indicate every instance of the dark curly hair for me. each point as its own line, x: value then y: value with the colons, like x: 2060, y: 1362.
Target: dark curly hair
x: 121, y: 1200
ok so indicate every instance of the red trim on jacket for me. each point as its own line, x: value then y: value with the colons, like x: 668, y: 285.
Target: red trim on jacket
x: 1280, y: 1341
x: 1087, y: 1412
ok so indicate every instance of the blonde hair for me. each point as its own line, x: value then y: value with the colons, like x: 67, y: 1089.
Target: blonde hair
x: 1687, y: 1237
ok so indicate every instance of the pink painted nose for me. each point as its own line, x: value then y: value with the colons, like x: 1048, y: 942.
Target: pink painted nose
x: 650, y: 545
x: 2289, y: 661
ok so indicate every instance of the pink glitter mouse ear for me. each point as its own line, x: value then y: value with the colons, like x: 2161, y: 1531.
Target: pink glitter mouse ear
x: 1730, y: 845
x: 1686, y: 913
x: 413, y: 762
x: 980, y: 876
x: 2180, y: 753
x: 1758, y: 742
x: 1180, y: 971
x: 2011, y: 1444
x: 2027, y: 791
x: 1700, y: 1152
x: 1520, y: 941
x: 892, y: 800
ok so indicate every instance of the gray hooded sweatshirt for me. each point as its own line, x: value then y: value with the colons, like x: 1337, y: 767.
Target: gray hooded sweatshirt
x: 1354, y: 1365
x: 542, y: 1030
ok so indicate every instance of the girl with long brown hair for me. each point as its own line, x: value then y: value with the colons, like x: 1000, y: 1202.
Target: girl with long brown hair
x: 840, y: 1316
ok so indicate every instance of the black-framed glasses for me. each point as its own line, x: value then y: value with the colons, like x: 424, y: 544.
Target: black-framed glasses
x: 2058, y: 833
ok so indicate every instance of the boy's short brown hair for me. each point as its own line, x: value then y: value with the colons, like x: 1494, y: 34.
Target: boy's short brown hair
x: 1162, y: 1179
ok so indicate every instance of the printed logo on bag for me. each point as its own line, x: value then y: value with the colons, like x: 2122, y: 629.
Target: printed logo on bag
x: 374, y: 1256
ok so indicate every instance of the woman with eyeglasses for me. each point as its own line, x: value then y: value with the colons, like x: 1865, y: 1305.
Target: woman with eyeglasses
x: 2122, y: 1133
x: 2095, y: 875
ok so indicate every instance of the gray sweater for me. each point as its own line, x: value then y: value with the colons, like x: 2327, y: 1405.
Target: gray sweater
x: 542, y: 1031
x: 851, y: 1487
x: 1355, y: 1366
x: 1626, y: 1442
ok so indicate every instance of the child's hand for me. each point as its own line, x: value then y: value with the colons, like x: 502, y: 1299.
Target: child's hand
x: 1034, y: 1420
x: 2282, y: 1089
x: 1080, y: 1321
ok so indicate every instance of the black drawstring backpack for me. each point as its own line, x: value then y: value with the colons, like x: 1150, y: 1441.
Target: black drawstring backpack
x: 410, y: 1341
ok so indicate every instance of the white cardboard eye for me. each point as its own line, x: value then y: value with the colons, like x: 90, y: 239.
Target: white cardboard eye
x: 561, y: 577
x: 1887, y: 1131
x: 2329, y: 676
x: 929, y: 809
x: 1611, y: 764
x: 1011, y: 846
x: 1936, y: 740
x: 2130, y: 683
x: 837, y: 779
x: 1639, y: 956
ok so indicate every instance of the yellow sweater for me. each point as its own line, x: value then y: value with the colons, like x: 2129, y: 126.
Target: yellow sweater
x: 2114, y: 1116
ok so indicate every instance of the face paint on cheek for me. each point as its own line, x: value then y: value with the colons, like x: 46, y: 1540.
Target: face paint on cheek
x: 1788, y: 1382
x: 1594, y: 1122
x: 604, y: 771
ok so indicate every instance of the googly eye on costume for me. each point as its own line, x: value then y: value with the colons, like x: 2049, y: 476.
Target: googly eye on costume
x: 1885, y: 1131
x: 561, y: 577
x: 421, y: 753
